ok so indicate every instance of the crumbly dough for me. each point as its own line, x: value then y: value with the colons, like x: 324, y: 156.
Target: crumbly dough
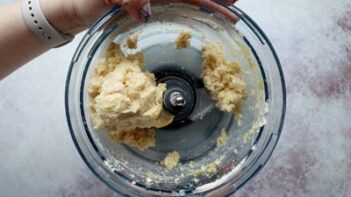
x: 221, y: 78
x: 183, y: 40
x: 132, y: 41
x: 126, y: 100
x: 139, y: 138
x: 171, y: 160
x: 212, y: 168
x: 222, y: 138
x: 207, y: 169
x: 239, y: 119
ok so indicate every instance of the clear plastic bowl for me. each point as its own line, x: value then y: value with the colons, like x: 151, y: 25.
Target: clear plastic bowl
x: 251, y: 139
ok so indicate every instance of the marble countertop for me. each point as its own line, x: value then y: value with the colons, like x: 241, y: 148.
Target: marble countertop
x: 313, y: 156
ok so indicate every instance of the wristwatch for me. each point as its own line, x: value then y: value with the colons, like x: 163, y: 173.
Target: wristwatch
x: 40, y: 26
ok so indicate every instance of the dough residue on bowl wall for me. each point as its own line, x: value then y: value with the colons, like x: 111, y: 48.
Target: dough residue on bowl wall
x: 140, y: 138
x: 221, y: 78
x: 126, y: 100
x: 171, y: 160
x: 132, y: 41
x: 222, y: 138
x: 208, y: 169
x: 183, y: 39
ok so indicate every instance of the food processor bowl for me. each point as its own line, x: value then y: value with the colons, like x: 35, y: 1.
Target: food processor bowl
x: 205, y: 169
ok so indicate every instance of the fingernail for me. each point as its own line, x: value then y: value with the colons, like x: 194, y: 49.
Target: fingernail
x: 226, y: 2
x: 109, y: 2
x: 145, y: 12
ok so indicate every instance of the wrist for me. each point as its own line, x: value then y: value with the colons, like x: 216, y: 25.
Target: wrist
x: 73, y: 16
x: 58, y: 17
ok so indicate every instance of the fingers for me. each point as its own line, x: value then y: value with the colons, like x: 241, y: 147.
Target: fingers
x: 206, y: 4
x: 218, y: 8
x: 140, y: 9
x: 226, y: 2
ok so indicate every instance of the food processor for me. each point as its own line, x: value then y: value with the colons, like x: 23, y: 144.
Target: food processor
x: 205, y: 169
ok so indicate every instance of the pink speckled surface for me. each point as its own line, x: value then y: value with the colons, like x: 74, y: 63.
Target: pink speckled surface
x: 312, y: 158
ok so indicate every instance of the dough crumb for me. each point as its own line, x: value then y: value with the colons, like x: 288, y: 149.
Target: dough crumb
x: 171, y: 160
x: 207, y: 169
x: 212, y: 168
x: 183, y: 40
x: 125, y: 100
x: 138, y: 58
x: 221, y: 79
x: 132, y: 41
x: 222, y: 138
x: 139, y: 138
x: 239, y: 119
x: 246, y: 137
x: 151, y: 177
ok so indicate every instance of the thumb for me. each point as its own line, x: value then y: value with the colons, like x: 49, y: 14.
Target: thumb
x: 138, y: 9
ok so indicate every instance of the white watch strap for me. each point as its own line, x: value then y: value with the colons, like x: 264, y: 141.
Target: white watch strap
x: 37, y: 23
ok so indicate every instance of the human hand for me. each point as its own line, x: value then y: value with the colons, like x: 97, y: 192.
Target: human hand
x: 215, y: 5
x: 73, y: 16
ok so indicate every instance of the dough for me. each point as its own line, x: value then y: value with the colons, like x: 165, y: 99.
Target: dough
x: 171, y: 160
x: 139, y: 138
x: 222, y: 138
x: 126, y: 100
x: 207, y: 169
x: 132, y: 41
x: 183, y: 40
x: 221, y: 78
x: 212, y: 168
